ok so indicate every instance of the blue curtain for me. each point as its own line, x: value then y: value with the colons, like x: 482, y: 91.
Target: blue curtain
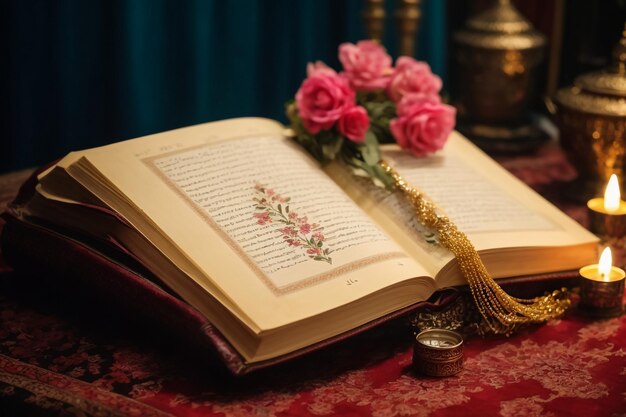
x: 82, y: 73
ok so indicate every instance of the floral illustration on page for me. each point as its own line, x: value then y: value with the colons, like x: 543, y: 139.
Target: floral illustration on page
x: 296, y: 231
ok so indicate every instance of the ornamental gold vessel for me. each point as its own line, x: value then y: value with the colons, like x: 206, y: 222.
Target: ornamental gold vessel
x: 497, y: 53
x: 591, y: 116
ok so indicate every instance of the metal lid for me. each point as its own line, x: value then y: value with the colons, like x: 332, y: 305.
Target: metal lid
x: 501, y: 26
x: 600, y: 92
x: 576, y: 99
x: 439, y: 339
x: 611, y: 81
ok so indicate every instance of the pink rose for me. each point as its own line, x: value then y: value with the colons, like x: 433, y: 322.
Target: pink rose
x: 353, y: 124
x: 414, y: 101
x: 318, y: 67
x: 423, y: 125
x: 366, y: 65
x: 412, y: 76
x: 322, y: 98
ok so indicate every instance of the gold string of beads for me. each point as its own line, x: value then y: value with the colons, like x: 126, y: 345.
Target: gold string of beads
x: 502, y: 313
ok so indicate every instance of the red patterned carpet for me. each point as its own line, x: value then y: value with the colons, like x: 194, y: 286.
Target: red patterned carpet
x: 57, y: 360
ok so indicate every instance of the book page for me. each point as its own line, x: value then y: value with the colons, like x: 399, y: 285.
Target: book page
x: 475, y: 204
x: 493, y: 208
x: 291, y: 224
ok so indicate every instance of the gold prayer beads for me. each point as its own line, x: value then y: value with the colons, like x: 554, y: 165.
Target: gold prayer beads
x: 502, y: 314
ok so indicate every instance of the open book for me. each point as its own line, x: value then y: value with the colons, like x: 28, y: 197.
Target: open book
x: 278, y: 253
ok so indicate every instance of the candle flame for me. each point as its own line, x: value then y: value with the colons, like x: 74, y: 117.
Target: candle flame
x: 605, y: 263
x: 612, y: 194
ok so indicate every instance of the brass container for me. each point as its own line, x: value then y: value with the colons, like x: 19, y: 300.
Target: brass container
x: 591, y: 116
x: 438, y: 352
x: 497, y: 54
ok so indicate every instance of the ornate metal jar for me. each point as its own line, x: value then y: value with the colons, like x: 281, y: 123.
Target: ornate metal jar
x: 591, y: 116
x: 497, y: 53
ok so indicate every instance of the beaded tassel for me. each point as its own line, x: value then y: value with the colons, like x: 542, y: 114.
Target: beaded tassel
x: 502, y: 313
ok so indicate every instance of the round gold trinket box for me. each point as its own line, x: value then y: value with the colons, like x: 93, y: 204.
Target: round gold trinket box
x: 438, y: 352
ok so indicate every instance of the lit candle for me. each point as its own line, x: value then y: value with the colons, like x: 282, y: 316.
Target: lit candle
x: 602, y: 287
x: 607, y: 215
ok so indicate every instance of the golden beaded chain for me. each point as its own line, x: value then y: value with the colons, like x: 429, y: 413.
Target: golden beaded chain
x: 502, y: 313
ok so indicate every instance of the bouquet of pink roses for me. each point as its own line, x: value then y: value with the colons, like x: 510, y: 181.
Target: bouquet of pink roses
x: 347, y: 114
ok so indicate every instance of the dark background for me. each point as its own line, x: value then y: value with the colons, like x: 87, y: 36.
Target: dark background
x: 80, y: 73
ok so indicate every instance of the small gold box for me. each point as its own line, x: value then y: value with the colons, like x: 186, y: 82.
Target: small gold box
x: 438, y: 352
